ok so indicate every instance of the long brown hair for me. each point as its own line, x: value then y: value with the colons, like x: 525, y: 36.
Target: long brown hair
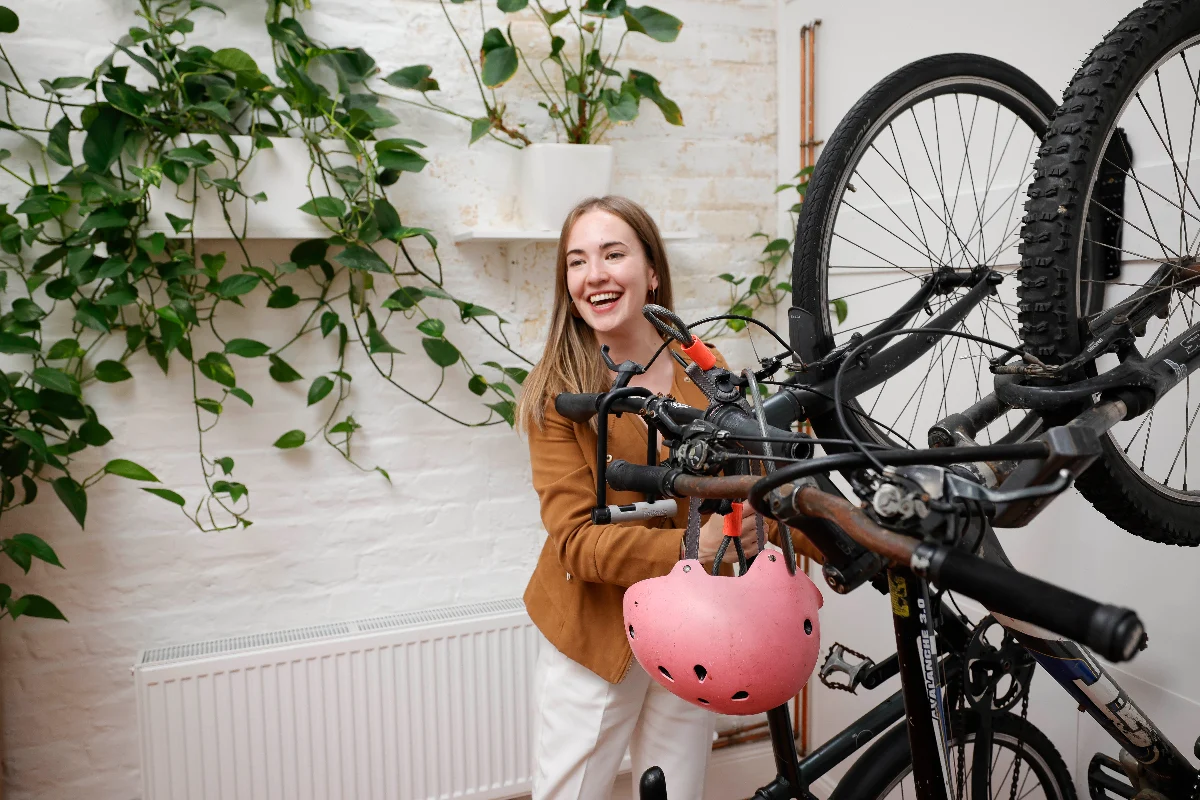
x: 571, y: 360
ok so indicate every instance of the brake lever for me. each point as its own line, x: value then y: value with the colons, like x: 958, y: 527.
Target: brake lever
x: 963, y: 488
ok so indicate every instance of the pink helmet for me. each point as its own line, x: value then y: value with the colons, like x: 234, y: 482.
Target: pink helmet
x: 732, y: 645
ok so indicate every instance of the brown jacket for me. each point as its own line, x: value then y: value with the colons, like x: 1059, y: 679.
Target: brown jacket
x: 574, y: 596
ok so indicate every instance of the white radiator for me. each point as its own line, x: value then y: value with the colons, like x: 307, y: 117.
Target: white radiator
x: 418, y: 706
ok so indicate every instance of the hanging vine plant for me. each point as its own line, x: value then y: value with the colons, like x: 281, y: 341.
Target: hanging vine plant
x: 88, y: 285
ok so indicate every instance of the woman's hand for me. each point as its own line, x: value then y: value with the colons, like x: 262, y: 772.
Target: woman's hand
x: 713, y: 531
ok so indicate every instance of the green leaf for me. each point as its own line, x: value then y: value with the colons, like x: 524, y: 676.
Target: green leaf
x: 309, y: 253
x: 758, y: 282
x: 553, y: 17
x: 105, y: 138
x: 479, y: 128
x: 622, y: 106
x: 153, y: 244
x: 416, y: 77
x: 72, y: 496
x: 283, y: 297
x: 501, y: 386
x: 246, y: 348
x: 386, y: 218
x: 658, y: 25
x: 505, y: 408
x: 18, y: 345
x: 236, y: 285
x: 235, y: 61
x: 55, y: 379
x: 128, y: 469
x: 331, y: 207
x: 25, y: 310
x: 112, y: 372
x: 216, y: 367
x: 363, y: 258
x: 840, y: 309
x: 38, y: 548
x: 179, y: 224
x: 440, y: 351
x: 290, y: 439
x: 94, y: 434
x: 226, y: 464
x: 243, y: 395
x: 35, y: 441
x: 478, y: 384
x: 64, y: 348
x: 214, y: 108
x: 9, y: 22
x: 209, y: 405
x: 329, y: 321
x: 126, y: 98
x: 517, y: 374
x: 57, y: 146
x: 511, y: 6
x: 19, y: 555
x: 432, y: 327
x: 499, y: 65
x: 777, y: 246
x: 401, y: 160
x: 165, y: 494
x: 282, y: 371
x: 648, y: 86
x: 320, y: 387
x: 192, y: 156
x: 118, y: 295
x: 403, y: 298
x: 34, y: 605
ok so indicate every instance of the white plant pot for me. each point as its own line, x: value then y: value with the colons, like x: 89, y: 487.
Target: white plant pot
x: 553, y: 178
x: 281, y: 172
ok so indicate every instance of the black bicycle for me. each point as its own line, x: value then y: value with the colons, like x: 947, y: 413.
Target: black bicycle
x: 1064, y: 380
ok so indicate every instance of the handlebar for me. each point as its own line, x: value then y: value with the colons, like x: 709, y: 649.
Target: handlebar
x: 1114, y: 632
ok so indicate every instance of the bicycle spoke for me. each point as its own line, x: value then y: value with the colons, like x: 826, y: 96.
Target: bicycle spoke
x: 870, y: 252
x: 888, y: 231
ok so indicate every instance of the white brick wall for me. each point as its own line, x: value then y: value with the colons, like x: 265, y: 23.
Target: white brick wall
x: 460, y: 521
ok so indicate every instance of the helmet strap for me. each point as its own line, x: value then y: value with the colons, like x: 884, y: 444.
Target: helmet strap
x: 691, y: 539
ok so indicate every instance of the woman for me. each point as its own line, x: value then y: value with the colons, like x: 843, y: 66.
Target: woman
x: 593, y: 698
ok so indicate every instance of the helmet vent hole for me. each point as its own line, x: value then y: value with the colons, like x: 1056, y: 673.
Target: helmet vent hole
x: 701, y: 673
x: 663, y: 670
x: 631, y: 636
x: 808, y: 627
x: 741, y: 695
x: 701, y: 700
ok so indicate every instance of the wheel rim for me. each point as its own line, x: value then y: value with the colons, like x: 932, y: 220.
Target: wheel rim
x: 1159, y: 221
x: 1033, y: 778
x: 943, y: 169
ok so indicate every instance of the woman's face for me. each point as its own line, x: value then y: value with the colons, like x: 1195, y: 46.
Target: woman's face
x: 608, y: 275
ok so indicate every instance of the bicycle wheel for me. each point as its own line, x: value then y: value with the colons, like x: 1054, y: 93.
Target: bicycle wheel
x: 885, y: 769
x: 922, y: 176
x: 1106, y: 209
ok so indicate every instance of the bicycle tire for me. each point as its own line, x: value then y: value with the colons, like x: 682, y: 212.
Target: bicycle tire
x: 883, y: 766
x: 1055, y: 264
x: 887, y: 100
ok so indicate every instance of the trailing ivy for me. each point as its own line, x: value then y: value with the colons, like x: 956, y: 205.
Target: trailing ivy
x: 89, y: 286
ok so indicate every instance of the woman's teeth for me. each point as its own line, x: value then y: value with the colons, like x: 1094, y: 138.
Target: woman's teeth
x: 601, y: 300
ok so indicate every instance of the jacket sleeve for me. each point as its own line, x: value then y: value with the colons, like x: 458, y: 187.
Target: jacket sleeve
x: 619, y: 553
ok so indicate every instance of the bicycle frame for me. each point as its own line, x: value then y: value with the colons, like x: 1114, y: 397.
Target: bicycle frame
x: 1140, y: 382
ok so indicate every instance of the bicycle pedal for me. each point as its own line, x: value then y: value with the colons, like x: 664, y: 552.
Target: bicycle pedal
x: 1107, y: 780
x: 836, y: 663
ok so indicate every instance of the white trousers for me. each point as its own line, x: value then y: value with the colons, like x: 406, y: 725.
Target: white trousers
x: 584, y: 724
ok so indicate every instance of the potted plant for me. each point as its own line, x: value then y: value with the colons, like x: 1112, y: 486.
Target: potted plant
x: 580, y: 88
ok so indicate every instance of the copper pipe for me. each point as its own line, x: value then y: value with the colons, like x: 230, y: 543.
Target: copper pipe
x: 812, y: 92
x: 803, y: 94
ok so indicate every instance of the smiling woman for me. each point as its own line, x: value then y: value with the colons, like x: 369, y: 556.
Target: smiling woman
x: 593, y: 699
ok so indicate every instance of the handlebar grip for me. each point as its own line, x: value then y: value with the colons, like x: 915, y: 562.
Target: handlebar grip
x: 577, y: 407
x: 625, y: 477
x: 1115, y: 633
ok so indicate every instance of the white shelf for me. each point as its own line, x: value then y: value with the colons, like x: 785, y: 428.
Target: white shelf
x: 517, y: 235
